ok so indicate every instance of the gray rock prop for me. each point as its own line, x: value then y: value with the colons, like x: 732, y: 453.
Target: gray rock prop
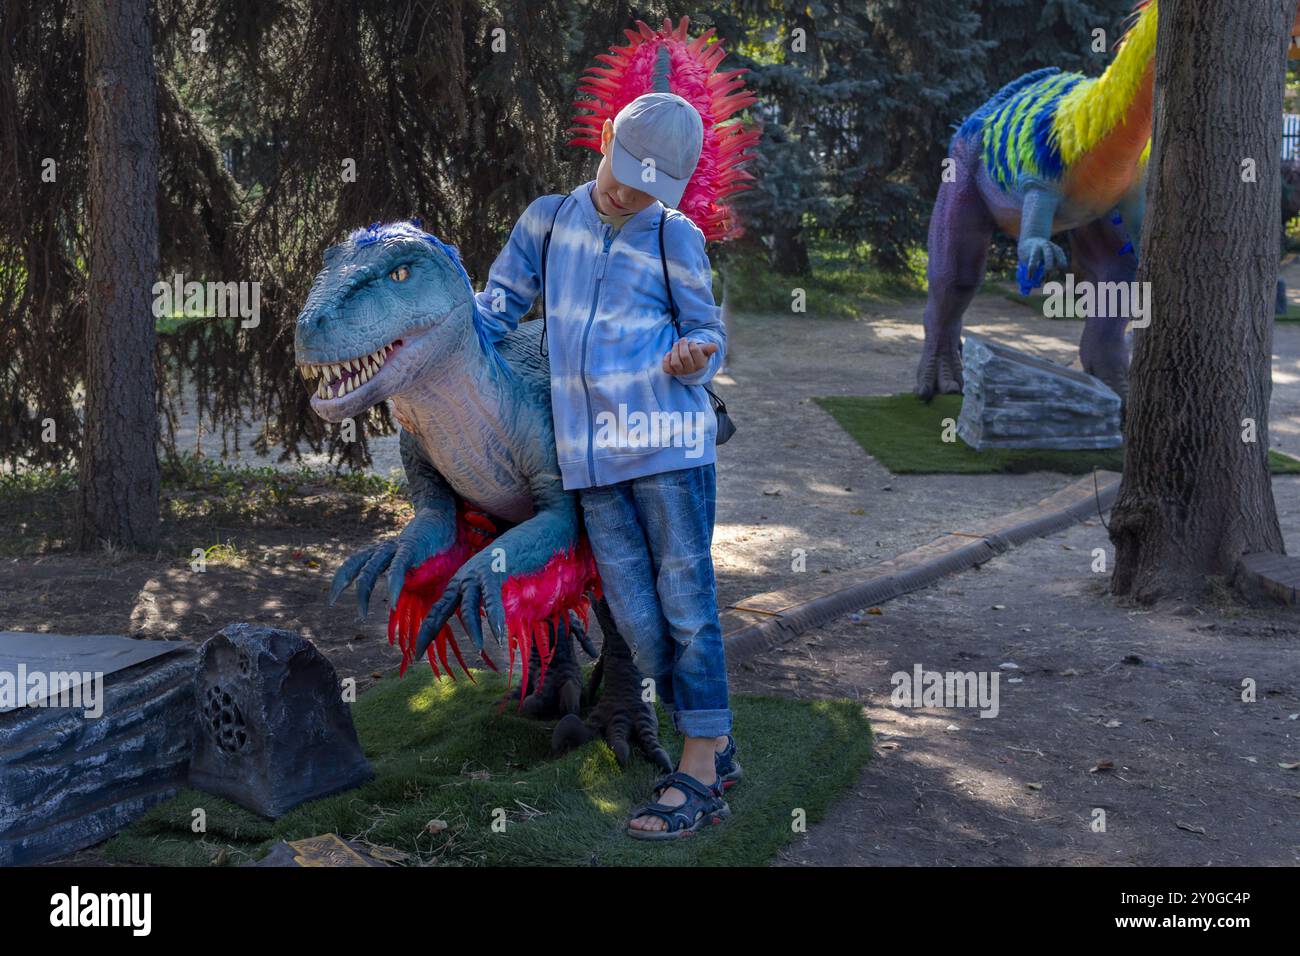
x: 68, y: 779
x: 1014, y: 400
x: 273, y: 731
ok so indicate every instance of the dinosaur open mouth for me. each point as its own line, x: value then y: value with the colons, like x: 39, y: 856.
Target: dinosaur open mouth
x: 339, y: 378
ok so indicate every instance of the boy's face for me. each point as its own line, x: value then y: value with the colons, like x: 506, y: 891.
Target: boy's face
x: 612, y: 197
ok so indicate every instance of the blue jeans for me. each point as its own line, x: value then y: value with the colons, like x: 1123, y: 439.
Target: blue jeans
x: 652, y: 538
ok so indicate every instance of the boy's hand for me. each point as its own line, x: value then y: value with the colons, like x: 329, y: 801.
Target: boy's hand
x: 688, y: 356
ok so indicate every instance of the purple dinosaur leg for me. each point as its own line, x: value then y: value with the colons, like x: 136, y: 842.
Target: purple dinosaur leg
x: 1100, y: 253
x: 960, y: 231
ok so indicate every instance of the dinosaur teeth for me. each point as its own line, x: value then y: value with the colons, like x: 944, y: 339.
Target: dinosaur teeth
x: 337, y: 379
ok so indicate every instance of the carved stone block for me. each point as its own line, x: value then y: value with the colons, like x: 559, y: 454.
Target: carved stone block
x: 1015, y: 400
x: 273, y: 729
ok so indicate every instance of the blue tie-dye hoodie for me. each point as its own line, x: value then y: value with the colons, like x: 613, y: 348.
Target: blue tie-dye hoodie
x: 618, y: 414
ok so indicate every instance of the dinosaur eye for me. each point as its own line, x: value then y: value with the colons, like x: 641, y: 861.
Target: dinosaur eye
x: 400, y: 274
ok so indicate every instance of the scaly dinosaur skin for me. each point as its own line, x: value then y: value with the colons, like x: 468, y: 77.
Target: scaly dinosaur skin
x: 1050, y: 153
x: 391, y: 317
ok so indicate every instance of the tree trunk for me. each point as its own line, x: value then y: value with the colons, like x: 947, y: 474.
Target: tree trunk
x: 1196, y: 494
x: 118, y: 501
x: 789, y: 252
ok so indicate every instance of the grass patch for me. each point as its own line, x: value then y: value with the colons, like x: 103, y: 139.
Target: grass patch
x: 441, y: 751
x: 841, y: 283
x: 200, y: 496
x: 1282, y: 464
x: 903, y: 434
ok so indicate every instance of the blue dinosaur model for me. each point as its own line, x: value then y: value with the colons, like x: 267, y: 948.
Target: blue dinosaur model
x: 391, y: 317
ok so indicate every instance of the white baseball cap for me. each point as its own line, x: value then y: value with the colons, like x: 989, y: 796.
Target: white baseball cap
x: 656, y: 147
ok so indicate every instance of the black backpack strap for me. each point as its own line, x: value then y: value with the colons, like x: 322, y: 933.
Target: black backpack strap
x: 546, y: 248
x: 663, y: 261
x: 719, y: 405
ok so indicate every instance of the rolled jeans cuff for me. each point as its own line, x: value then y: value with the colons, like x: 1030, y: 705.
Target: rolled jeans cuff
x: 702, y: 723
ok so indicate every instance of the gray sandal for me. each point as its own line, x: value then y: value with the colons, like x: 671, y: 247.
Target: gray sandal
x: 704, y: 807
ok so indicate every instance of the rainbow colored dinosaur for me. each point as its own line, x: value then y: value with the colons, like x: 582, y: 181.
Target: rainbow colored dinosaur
x: 1050, y: 152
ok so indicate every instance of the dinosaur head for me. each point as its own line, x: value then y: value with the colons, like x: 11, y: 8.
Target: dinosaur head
x: 390, y: 304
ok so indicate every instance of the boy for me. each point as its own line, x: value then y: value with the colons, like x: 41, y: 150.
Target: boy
x: 634, y: 428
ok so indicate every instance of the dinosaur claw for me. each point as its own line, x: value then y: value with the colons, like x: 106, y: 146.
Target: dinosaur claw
x: 424, y: 639
x: 394, y: 585
x: 584, y: 639
x: 496, y: 615
x: 621, y: 750
x: 469, y: 614
x: 570, y: 733
x: 474, y: 627
x: 346, y: 572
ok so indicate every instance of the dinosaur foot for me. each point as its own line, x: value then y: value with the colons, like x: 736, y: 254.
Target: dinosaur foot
x: 620, y: 716
x: 938, y: 372
x: 560, y: 694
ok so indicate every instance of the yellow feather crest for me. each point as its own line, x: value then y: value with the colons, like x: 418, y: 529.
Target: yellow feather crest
x: 1093, y: 108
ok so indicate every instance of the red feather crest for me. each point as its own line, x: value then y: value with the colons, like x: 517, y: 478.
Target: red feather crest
x: 628, y: 72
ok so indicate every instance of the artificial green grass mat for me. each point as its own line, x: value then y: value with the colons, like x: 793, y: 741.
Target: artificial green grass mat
x: 905, y: 435
x: 442, y: 750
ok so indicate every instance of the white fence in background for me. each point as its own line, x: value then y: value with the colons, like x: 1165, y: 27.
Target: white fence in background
x: 1290, y: 136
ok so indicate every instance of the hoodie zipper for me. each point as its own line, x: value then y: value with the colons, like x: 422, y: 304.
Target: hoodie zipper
x: 586, y: 333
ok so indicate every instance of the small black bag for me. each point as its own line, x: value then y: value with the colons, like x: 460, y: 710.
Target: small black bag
x: 726, y: 427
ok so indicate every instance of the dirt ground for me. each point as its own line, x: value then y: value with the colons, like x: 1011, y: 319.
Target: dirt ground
x: 947, y: 787
x: 1135, y: 712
